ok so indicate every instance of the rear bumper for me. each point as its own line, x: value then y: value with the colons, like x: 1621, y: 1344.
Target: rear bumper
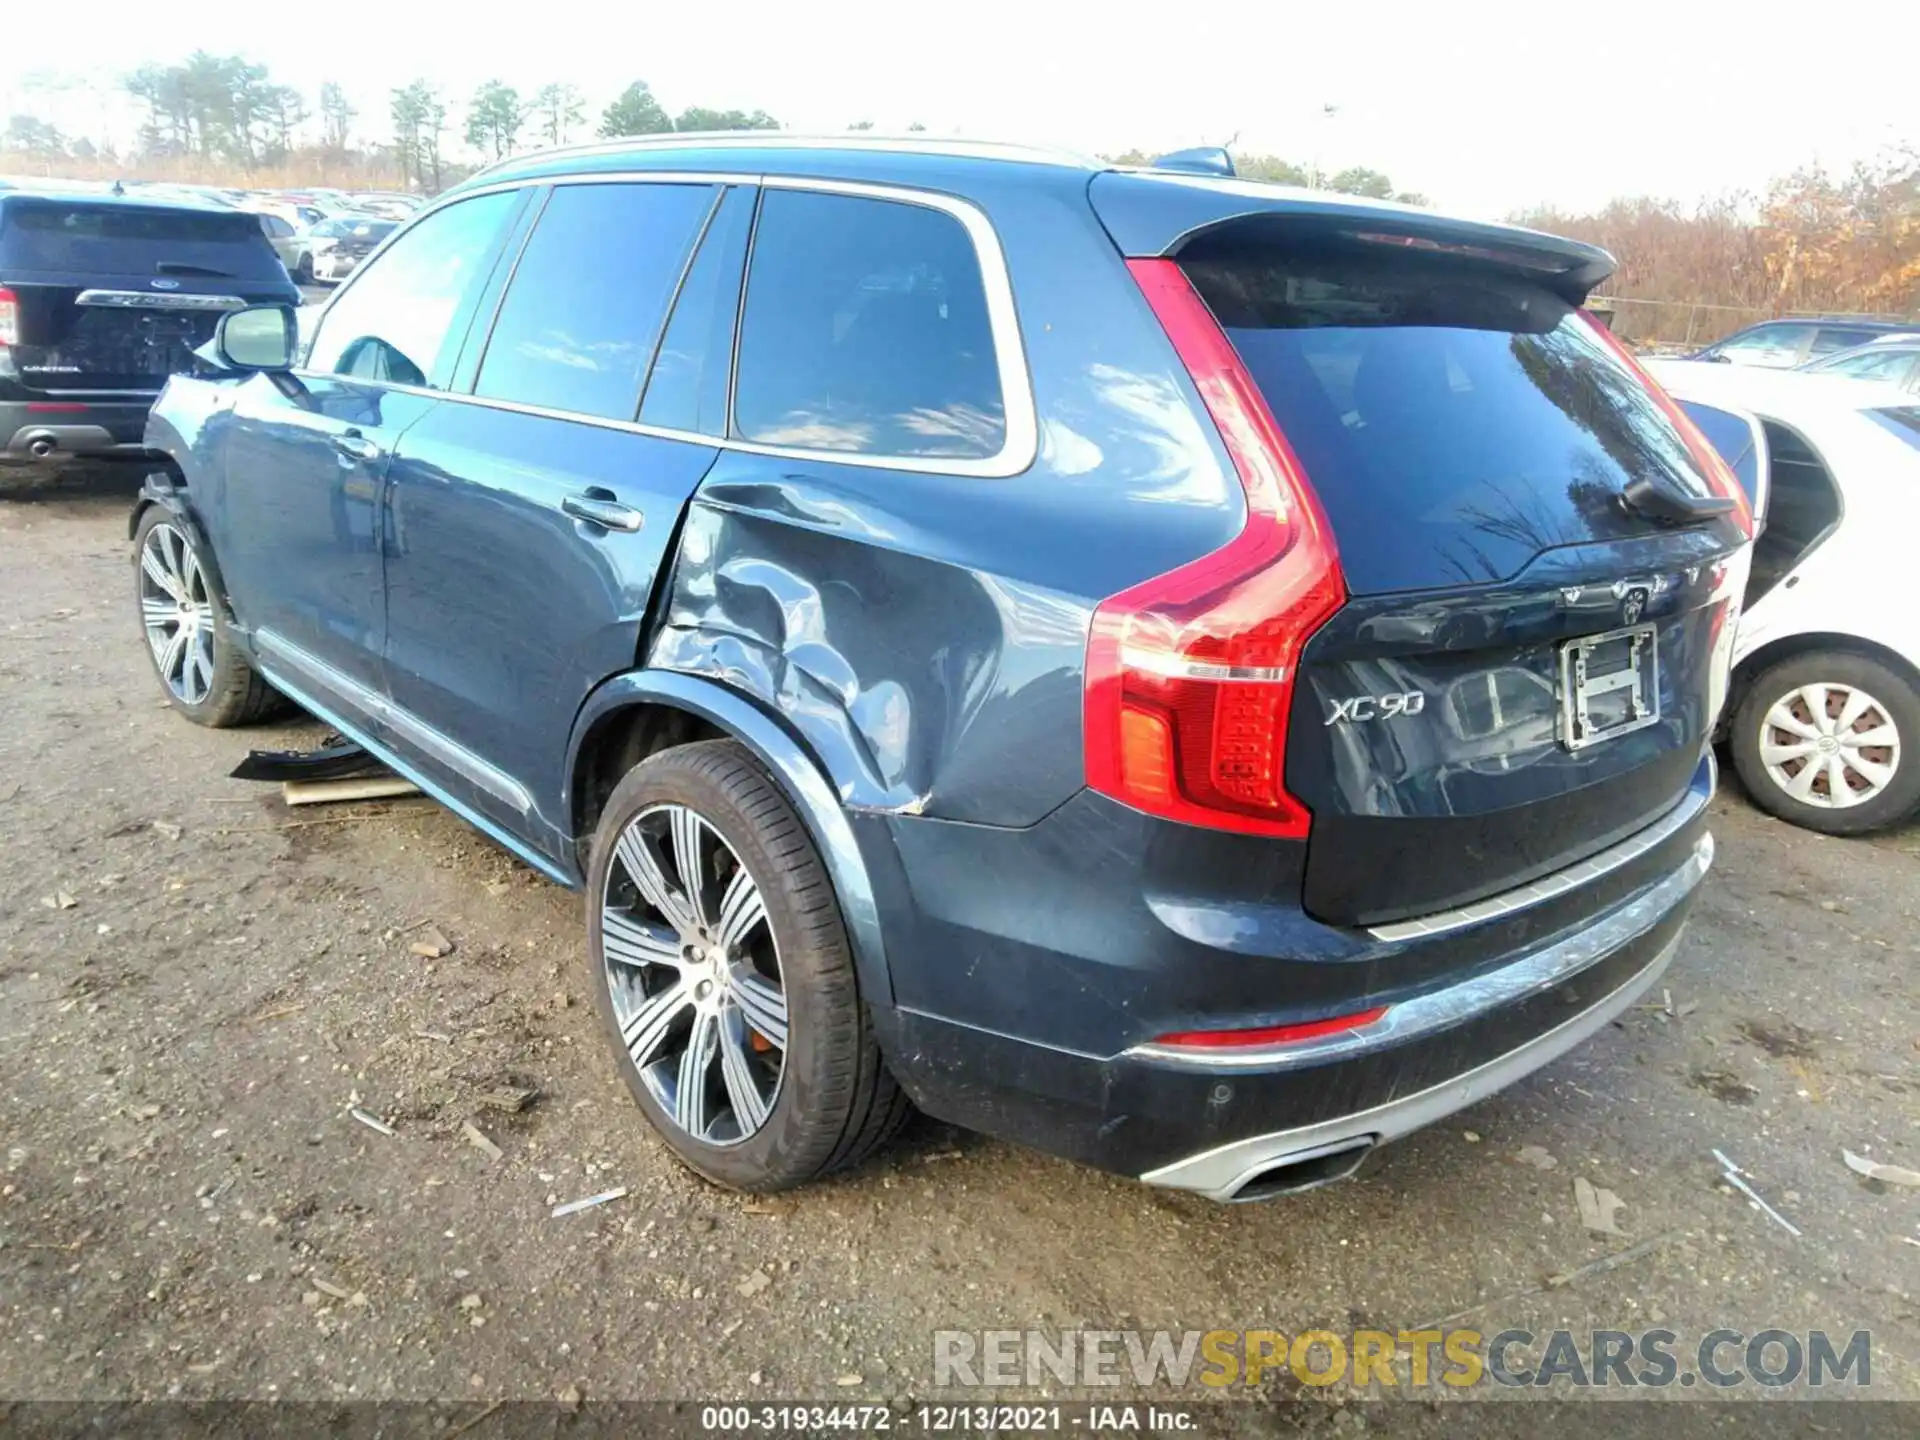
x: 1015, y: 1046
x: 1236, y: 1170
x: 49, y: 430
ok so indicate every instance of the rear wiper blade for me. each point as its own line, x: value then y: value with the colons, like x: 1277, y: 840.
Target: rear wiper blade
x: 1668, y: 507
x: 181, y: 267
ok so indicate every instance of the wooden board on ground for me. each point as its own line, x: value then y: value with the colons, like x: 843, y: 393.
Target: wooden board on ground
x: 363, y: 787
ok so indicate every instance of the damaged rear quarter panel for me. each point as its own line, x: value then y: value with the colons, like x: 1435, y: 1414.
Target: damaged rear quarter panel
x: 923, y: 686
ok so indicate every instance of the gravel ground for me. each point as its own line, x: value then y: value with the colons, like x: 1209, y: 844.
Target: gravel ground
x: 196, y: 986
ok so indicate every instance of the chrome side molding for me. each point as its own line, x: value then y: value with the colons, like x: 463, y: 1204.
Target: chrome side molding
x: 378, y: 708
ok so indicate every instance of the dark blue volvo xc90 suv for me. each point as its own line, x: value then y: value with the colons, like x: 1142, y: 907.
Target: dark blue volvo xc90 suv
x: 1195, y: 676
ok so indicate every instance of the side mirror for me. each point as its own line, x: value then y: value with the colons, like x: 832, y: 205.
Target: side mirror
x: 260, y: 337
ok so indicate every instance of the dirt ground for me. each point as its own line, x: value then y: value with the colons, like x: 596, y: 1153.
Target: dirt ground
x: 197, y: 985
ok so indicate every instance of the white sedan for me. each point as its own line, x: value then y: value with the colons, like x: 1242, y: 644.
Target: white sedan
x: 1824, y: 717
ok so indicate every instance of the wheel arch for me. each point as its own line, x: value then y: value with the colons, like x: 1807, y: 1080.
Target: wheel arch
x: 643, y: 712
x: 165, y: 489
x: 1788, y: 647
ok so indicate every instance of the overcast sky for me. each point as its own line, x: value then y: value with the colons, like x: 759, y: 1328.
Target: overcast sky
x: 1485, y: 108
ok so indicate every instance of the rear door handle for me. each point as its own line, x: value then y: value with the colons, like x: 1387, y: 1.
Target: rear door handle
x: 353, y: 443
x: 607, y: 513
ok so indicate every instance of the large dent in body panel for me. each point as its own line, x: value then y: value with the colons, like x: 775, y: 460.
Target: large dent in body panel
x: 899, y: 671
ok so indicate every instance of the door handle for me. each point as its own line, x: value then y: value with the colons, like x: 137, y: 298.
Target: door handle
x: 604, y: 511
x: 353, y: 443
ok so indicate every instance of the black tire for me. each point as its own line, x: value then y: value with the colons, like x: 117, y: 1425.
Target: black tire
x: 235, y: 694
x: 303, y: 272
x: 835, y: 1103
x: 1890, y: 691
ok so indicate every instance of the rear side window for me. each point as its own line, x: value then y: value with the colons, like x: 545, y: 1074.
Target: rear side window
x: 1455, y: 421
x: 51, y: 235
x: 687, y: 388
x: 395, y: 322
x: 865, y: 330
x: 1829, y: 339
x: 1732, y: 436
x: 589, y: 294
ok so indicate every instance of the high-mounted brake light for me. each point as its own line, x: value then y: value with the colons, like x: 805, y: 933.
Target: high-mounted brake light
x: 1190, y: 675
x: 1720, y: 478
x: 1270, y: 1034
x: 9, y: 319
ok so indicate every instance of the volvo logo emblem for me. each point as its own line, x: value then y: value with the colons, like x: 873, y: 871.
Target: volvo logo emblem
x: 164, y: 284
x: 1630, y: 608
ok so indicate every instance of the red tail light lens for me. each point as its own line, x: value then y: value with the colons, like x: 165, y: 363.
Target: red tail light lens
x: 1190, y: 675
x: 1719, y: 476
x: 1271, y: 1034
x: 9, y: 318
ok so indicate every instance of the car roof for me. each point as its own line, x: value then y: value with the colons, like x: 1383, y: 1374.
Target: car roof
x: 1773, y: 394
x: 1889, y: 327
x: 1148, y: 210
x: 103, y: 199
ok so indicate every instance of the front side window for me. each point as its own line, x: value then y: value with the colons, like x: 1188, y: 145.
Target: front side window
x: 395, y: 323
x: 865, y: 330
x: 589, y: 294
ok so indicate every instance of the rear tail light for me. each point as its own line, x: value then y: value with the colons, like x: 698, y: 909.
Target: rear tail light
x: 1270, y: 1034
x: 1719, y: 477
x: 9, y: 319
x: 1190, y: 675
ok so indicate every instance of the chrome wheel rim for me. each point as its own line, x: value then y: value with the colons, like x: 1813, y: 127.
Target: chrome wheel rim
x: 177, y: 613
x: 694, y: 974
x: 1832, y: 746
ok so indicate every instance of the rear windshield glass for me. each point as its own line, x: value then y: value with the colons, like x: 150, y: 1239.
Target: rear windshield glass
x: 363, y: 229
x: 131, y: 240
x: 1455, y: 421
x: 1732, y: 436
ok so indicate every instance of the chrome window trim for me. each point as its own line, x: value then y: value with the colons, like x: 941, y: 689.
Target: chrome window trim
x: 1583, y: 872
x: 1435, y: 1010
x: 1022, y: 444
x: 380, y: 709
x: 157, y: 300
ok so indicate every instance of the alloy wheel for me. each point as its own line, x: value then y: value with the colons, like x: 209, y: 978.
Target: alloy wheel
x: 693, y: 970
x: 1830, y: 745
x: 177, y: 613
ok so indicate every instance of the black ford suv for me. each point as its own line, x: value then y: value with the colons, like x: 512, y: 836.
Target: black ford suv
x: 101, y: 299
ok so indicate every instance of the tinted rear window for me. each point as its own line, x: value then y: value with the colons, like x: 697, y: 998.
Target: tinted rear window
x: 131, y: 240
x: 866, y: 331
x: 1455, y: 421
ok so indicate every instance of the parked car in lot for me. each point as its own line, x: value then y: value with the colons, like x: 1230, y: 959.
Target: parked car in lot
x: 1892, y: 362
x: 1783, y: 344
x: 101, y: 298
x: 286, y: 238
x: 1196, y: 676
x: 328, y: 252
x: 1826, y: 690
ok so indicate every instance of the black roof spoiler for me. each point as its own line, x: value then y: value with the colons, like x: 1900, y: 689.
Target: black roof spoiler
x: 1160, y: 212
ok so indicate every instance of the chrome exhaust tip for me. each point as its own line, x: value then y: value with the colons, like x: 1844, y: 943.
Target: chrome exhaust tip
x: 1307, y: 1170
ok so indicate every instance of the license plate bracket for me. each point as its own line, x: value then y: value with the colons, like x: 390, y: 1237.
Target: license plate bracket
x: 1609, y: 685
